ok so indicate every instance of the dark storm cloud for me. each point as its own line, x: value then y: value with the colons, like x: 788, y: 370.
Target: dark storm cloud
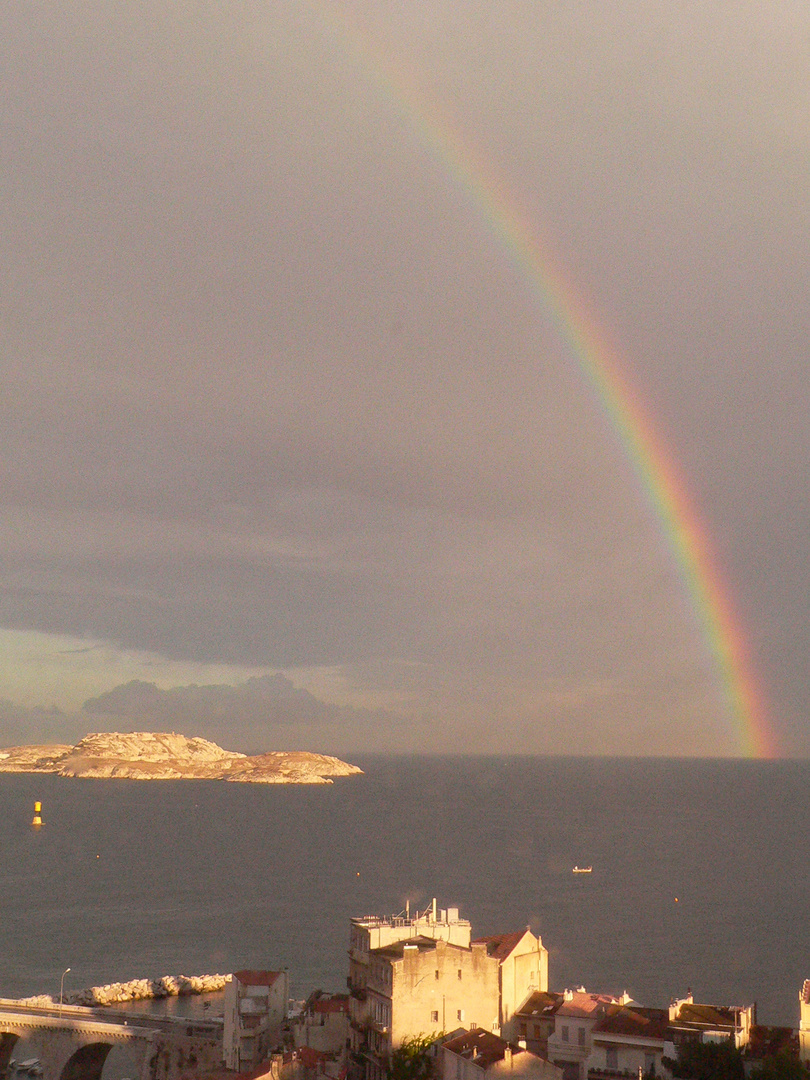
x: 266, y: 712
x: 263, y: 713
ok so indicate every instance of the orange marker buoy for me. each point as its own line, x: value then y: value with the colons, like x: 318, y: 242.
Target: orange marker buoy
x: 37, y: 814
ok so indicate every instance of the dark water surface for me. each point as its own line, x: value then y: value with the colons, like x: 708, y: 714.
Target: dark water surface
x: 135, y: 879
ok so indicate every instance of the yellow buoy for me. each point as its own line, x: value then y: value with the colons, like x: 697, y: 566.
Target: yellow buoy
x: 37, y: 814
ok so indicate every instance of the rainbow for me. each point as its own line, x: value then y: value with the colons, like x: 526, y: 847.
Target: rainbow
x: 600, y: 365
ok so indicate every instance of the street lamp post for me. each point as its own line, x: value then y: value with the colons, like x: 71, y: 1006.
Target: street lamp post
x: 62, y: 990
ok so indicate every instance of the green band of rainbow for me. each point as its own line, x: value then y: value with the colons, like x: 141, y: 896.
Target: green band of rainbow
x: 599, y: 363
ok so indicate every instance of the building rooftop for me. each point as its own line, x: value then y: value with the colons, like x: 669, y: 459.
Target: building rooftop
x: 481, y: 1047
x: 445, y: 916
x: 397, y: 949
x: 580, y: 1003
x: 540, y: 1003
x: 256, y: 978
x: 637, y: 1022
x: 714, y: 1016
x: 501, y: 945
x: 334, y: 1003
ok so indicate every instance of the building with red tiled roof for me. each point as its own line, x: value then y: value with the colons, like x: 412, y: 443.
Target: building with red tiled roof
x: 523, y: 970
x: 412, y: 976
x: 323, y: 1026
x: 576, y: 1015
x: 689, y: 1020
x: 249, y: 977
x: 627, y: 1039
x: 534, y: 1021
x: 254, y: 1009
x: 479, y: 1055
x: 453, y: 980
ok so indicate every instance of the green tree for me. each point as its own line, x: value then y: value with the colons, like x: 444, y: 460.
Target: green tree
x: 780, y: 1067
x: 707, y: 1061
x: 412, y: 1059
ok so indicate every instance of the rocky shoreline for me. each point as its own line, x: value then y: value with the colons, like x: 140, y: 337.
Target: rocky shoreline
x: 155, y: 755
x: 136, y: 990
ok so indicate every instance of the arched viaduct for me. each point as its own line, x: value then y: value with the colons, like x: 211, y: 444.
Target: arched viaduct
x: 73, y: 1042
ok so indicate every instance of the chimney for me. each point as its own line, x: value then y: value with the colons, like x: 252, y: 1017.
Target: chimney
x: 507, y: 1057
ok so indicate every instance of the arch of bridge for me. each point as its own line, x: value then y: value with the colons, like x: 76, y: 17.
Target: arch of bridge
x: 71, y: 1050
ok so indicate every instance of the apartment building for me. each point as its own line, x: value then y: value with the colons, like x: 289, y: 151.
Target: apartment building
x: 630, y: 1040
x: 415, y: 976
x: 522, y: 970
x: 570, y: 1044
x: 689, y: 1020
x: 323, y: 1023
x: 480, y: 1055
x: 254, y: 1010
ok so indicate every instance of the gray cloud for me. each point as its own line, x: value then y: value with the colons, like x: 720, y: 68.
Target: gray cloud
x: 274, y: 394
x: 263, y: 713
x: 260, y: 714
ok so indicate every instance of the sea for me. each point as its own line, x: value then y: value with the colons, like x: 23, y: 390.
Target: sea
x: 700, y: 872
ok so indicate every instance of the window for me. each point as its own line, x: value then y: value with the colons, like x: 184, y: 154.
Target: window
x: 581, y: 1036
x: 459, y: 973
x: 564, y: 1034
x: 437, y: 973
x: 612, y: 1057
x: 461, y: 1014
x: 434, y: 1017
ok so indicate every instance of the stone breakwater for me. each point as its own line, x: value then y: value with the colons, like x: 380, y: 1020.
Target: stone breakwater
x: 138, y: 990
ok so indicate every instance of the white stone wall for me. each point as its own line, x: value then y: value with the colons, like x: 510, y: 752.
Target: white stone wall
x: 428, y: 994
x: 524, y: 970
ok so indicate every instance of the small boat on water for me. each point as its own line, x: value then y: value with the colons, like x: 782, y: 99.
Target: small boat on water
x: 582, y: 870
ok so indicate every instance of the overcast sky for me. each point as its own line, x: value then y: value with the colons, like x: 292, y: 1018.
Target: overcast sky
x: 282, y: 419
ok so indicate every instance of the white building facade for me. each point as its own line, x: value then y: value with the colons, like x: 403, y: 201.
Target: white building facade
x: 254, y: 1011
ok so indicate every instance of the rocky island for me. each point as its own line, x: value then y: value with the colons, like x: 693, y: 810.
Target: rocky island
x: 147, y: 755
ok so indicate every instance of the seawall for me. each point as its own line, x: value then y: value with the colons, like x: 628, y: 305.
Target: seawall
x: 138, y: 990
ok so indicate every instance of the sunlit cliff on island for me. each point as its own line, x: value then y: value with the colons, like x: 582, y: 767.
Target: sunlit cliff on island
x: 144, y: 755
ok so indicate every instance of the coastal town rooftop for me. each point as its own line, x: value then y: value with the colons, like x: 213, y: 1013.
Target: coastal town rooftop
x: 431, y: 915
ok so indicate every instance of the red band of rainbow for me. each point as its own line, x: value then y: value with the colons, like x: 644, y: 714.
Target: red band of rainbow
x: 652, y: 463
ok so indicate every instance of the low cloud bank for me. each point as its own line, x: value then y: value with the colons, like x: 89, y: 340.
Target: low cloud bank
x: 264, y: 713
